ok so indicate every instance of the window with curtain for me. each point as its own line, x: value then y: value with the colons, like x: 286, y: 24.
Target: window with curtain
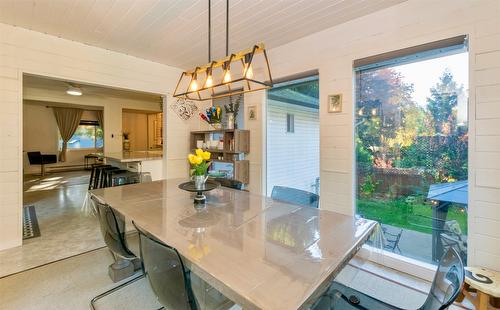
x: 88, y: 135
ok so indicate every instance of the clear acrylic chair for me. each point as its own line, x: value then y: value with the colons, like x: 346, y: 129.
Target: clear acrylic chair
x: 445, y: 289
x: 173, y: 284
x: 295, y: 196
x: 112, y: 226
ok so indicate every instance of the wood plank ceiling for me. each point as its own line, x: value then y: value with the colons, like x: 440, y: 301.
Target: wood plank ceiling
x: 174, y: 32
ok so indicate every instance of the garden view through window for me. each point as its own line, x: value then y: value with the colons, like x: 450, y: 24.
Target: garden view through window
x: 88, y: 135
x: 411, y: 134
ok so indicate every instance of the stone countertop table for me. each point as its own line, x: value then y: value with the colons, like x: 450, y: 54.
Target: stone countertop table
x: 261, y: 253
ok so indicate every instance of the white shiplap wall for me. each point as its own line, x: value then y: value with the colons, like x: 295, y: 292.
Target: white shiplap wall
x: 414, y: 22
x: 25, y: 51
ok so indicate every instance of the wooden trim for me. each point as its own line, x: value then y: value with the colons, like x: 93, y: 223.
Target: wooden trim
x: 296, y: 76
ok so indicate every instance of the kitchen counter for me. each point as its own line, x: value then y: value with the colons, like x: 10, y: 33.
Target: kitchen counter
x: 134, y: 156
x: 148, y: 163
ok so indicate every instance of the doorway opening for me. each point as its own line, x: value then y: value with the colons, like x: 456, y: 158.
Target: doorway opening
x: 54, y: 188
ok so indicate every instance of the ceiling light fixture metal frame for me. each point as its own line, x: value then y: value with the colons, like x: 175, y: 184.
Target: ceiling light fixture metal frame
x: 238, y: 65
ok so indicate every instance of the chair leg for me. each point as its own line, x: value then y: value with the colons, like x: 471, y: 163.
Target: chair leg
x: 95, y: 299
x: 42, y: 170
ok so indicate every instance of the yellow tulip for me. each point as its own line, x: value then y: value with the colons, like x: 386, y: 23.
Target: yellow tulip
x: 205, y: 155
x: 191, y: 159
x: 198, y: 160
x: 199, y: 152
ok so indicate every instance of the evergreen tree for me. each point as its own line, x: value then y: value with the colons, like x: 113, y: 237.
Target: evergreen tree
x: 443, y: 102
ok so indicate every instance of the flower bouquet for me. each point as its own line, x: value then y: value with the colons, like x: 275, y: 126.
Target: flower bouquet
x: 200, y: 161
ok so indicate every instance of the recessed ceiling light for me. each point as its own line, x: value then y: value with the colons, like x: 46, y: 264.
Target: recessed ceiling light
x: 74, y: 91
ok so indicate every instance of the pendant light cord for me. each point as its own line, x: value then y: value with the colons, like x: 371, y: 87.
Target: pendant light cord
x: 209, y: 31
x: 227, y: 27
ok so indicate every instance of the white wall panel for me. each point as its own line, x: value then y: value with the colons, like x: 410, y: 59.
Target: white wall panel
x: 25, y: 51
x: 414, y: 22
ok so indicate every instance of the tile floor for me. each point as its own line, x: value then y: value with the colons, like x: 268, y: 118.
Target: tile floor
x: 65, y: 229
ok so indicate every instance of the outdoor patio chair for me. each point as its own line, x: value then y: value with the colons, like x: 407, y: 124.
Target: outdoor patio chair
x: 450, y: 235
x: 445, y: 289
x: 392, y: 240
x: 295, y: 196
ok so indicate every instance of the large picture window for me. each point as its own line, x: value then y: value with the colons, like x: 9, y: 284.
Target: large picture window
x: 293, y: 135
x: 411, y: 135
x: 88, y: 135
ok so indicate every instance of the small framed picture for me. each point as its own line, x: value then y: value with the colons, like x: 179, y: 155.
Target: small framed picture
x: 335, y: 103
x: 252, y: 113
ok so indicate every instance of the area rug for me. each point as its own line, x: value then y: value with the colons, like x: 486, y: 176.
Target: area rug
x: 30, y: 223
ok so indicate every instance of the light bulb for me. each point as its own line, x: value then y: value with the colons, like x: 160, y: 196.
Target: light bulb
x: 249, y: 73
x: 360, y: 112
x: 74, y: 91
x: 227, y: 76
x: 209, y: 82
x: 374, y: 111
x: 193, y: 86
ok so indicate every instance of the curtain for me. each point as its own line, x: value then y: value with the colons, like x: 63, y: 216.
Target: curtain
x: 100, y: 118
x: 67, y: 120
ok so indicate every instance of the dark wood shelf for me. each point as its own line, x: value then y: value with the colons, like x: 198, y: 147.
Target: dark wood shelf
x: 219, y: 151
x: 237, y: 140
x: 222, y: 160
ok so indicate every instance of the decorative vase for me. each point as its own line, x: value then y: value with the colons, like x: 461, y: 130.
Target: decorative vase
x: 230, y: 120
x: 217, y: 126
x: 126, y: 145
x: 199, y: 181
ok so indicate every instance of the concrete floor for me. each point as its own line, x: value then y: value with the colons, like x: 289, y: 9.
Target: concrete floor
x: 71, y: 284
x: 65, y: 229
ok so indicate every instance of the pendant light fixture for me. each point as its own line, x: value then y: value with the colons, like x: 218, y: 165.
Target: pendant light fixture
x: 242, y: 72
x: 74, y: 90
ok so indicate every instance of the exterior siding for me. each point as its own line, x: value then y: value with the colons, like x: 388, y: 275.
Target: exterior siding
x: 292, y: 158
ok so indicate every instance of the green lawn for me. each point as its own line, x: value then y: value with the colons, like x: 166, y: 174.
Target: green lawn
x: 414, y: 216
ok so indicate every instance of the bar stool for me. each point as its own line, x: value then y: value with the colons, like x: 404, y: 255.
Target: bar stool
x: 99, y: 175
x: 120, y: 177
x: 103, y: 182
x: 94, y: 174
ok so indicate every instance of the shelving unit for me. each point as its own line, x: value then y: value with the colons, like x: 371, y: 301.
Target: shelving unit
x: 236, y: 143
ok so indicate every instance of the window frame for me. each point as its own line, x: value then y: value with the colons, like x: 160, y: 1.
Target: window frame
x: 84, y: 123
x: 437, y: 49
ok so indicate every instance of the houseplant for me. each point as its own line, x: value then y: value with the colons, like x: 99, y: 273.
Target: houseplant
x: 200, y: 161
x: 126, y: 141
x: 232, y: 112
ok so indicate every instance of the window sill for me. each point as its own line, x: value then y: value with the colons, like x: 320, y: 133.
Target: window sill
x: 401, y: 263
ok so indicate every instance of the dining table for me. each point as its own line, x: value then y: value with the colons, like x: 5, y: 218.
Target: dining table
x: 259, y: 252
